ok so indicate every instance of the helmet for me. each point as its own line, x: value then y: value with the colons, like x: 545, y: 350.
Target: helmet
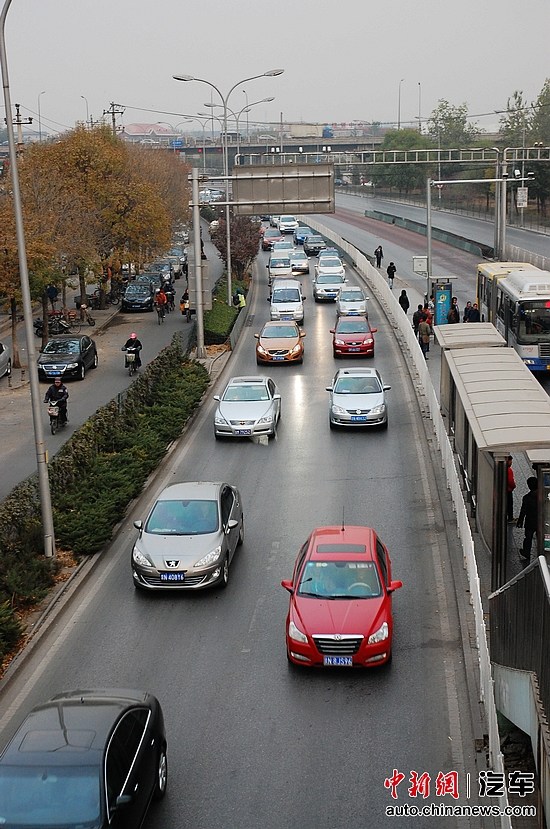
x: 157, y: 290
x: 133, y: 336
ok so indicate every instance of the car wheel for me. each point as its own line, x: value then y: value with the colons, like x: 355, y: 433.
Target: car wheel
x: 162, y: 776
x: 96, y: 361
x: 240, y: 539
x: 224, y: 578
x: 82, y: 372
x: 8, y: 369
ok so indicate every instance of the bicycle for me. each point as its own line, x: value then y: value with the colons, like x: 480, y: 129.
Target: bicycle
x: 161, y: 313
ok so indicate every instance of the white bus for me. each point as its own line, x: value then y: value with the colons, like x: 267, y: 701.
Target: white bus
x: 522, y: 315
x: 488, y: 275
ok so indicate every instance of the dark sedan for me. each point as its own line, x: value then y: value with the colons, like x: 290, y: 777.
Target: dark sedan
x: 90, y: 759
x: 314, y: 244
x: 138, y: 296
x: 68, y: 356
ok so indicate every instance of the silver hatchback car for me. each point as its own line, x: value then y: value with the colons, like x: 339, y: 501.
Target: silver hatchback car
x: 357, y: 398
x: 248, y: 406
x: 189, y: 538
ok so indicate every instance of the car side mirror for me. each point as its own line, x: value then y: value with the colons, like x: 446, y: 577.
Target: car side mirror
x: 386, y: 388
x: 216, y: 397
x: 231, y: 524
x: 328, y: 388
x: 269, y: 299
x: 138, y: 525
x: 374, y: 330
x: 302, y: 333
x: 287, y: 584
x: 257, y: 336
x: 394, y: 585
x: 332, y: 330
x: 304, y: 298
x: 123, y: 800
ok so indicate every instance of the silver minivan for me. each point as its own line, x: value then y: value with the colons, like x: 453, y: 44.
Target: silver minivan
x: 287, y: 300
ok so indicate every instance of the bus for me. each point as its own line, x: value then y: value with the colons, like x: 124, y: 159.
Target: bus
x: 488, y: 275
x: 522, y: 315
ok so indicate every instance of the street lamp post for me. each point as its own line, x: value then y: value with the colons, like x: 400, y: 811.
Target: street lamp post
x: 270, y: 73
x: 237, y: 115
x: 36, y: 396
x: 39, y: 116
x: 84, y: 98
x: 247, y: 111
x: 399, y: 105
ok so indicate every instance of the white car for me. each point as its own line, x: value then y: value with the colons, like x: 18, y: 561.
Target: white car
x: 330, y: 265
x: 287, y: 224
x: 352, y: 302
x: 299, y: 261
x: 357, y: 398
x: 286, y: 245
x: 248, y: 406
x: 5, y: 361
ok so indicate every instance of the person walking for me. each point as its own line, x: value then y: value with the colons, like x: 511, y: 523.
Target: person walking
x: 404, y: 301
x: 528, y: 517
x: 510, y: 486
x: 391, y: 270
x: 424, y: 332
x: 379, y: 254
x: 52, y: 292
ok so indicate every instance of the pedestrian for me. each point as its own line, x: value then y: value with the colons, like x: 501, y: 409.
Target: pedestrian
x: 424, y: 332
x: 474, y: 315
x: 404, y: 301
x: 528, y: 517
x: 52, y: 293
x: 453, y: 316
x: 417, y: 316
x: 510, y: 486
x: 390, y: 270
x: 379, y: 254
x: 467, y: 309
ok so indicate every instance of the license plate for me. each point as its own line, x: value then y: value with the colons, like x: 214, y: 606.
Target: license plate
x: 358, y: 418
x: 287, y: 317
x: 54, y: 373
x: 277, y: 358
x: 354, y: 349
x: 172, y: 577
x: 243, y: 431
x: 353, y: 313
x: 338, y: 661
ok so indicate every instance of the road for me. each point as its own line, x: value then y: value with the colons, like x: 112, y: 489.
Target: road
x: 252, y: 743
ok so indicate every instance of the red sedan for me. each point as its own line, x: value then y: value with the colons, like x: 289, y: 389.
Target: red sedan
x: 271, y: 235
x: 340, y: 610
x: 353, y: 335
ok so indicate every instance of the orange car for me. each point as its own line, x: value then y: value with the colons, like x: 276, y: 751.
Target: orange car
x: 280, y: 342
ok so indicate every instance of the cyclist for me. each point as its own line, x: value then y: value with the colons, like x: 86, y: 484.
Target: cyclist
x: 160, y: 302
x: 134, y: 344
x: 58, y: 393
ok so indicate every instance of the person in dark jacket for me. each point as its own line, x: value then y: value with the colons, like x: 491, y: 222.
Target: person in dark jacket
x: 528, y: 517
x: 58, y: 393
x: 379, y: 254
x: 474, y: 315
x: 404, y: 300
x: 390, y: 270
x: 417, y: 316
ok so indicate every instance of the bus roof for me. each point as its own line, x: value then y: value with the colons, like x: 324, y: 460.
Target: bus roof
x: 500, y: 269
x: 531, y: 284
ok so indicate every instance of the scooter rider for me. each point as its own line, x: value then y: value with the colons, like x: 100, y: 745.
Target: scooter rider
x: 58, y: 393
x: 134, y: 344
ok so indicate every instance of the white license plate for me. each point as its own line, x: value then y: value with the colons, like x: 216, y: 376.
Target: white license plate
x: 338, y: 661
x: 243, y: 431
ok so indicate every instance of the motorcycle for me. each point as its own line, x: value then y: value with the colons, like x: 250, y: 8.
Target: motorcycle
x: 131, y: 359
x: 55, y: 420
x: 56, y: 325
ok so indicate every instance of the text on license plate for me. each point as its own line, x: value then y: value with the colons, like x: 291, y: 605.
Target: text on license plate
x: 359, y: 418
x: 243, y: 431
x: 172, y: 576
x: 338, y: 661
x: 54, y: 373
x: 354, y: 349
x: 277, y: 357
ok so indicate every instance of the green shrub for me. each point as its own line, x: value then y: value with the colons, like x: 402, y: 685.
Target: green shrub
x: 10, y: 630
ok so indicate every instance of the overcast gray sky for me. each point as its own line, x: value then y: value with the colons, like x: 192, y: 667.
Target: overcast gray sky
x: 343, y: 61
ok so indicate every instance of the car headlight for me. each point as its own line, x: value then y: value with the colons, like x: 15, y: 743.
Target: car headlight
x: 379, y: 409
x: 338, y: 342
x: 219, y: 419
x: 209, y: 558
x: 140, y: 558
x: 266, y: 419
x: 275, y: 315
x: 338, y: 410
x: 297, y: 348
x: 381, y: 634
x: 71, y: 365
x: 368, y: 342
x: 296, y: 634
x: 261, y: 349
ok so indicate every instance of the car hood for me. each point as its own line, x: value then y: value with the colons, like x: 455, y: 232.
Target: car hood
x: 244, y: 411
x: 332, y: 285
x: 353, y: 336
x: 358, y: 401
x: 276, y: 343
x: 185, y: 549
x: 354, y: 305
x: 322, y: 616
x: 60, y: 357
x: 287, y: 307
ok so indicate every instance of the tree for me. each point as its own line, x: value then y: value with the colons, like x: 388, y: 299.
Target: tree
x: 245, y: 238
x: 540, y: 131
x: 404, y: 177
x: 448, y: 126
x: 515, y: 124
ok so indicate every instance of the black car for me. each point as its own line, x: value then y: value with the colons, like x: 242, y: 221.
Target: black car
x: 138, y: 296
x: 85, y: 760
x: 67, y: 356
x: 313, y: 244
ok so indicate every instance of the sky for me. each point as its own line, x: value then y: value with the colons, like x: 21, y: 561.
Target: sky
x: 355, y: 60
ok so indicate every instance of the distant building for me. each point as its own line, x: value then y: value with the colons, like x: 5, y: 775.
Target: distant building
x: 152, y: 135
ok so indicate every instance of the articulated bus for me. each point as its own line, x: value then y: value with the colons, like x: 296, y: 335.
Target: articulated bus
x: 519, y: 308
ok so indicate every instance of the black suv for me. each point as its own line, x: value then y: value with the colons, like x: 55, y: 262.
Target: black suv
x: 91, y: 758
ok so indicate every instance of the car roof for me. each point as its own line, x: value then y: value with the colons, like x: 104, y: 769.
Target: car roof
x: 357, y: 372
x: 258, y: 379
x: 350, y: 542
x: 190, y: 490
x: 74, y: 724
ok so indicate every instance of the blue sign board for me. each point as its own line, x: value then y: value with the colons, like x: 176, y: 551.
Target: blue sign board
x: 442, y: 296
x: 177, y: 143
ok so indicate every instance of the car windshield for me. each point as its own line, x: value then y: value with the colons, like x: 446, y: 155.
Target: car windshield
x: 315, y: 240
x: 191, y: 517
x: 351, y: 296
x: 143, y: 288
x: 280, y: 332
x: 62, y: 347
x: 329, y: 279
x: 286, y: 295
x: 304, y: 231
x: 287, y: 219
x: 353, y: 326
x: 340, y: 580
x: 279, y: 263
x: 357, y: 385
x: 50, y: 796
x: 274, y: 233
x: 234, y: 394
x: 330, y: 263
x: 298, y: 257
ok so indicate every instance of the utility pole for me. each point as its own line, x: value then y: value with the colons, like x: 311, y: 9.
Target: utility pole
x: 113, y: 111
x: 18, y: 122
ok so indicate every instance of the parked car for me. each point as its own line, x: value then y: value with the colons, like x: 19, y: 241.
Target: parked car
x: 189, y: 538
x: 248, y: 406
x: 314, y: 244
x: 280, y: 342
x: 138, y: 296
x: 340, y: 609
x: 357, y: 398
x: 67, y: 356
x: 353, y: 335
x: 5, y: 361
x: 86, y: 758
x: 352, y: 302
x: 327, y: 287
x: 271, y: 235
